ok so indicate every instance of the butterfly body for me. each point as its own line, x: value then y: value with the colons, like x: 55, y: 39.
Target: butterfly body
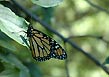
x: 43, y: 47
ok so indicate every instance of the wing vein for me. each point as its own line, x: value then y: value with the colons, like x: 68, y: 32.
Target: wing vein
x: 37, y: 45
x: 44, y: 46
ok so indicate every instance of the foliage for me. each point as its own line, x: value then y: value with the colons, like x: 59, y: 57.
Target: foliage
x: 81, y: 21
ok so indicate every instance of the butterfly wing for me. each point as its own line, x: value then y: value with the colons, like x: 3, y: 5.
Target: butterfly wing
x: 57, y: 51
x: 39, y: 47
x: 43, y: 47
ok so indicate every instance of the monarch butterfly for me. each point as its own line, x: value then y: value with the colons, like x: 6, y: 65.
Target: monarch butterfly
x: 44, y: 47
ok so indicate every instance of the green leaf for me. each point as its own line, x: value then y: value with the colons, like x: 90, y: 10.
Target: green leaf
x: 12, y: 25
x: 11, y: 59
x: 9, y: 73
x: 47, y: 3
x: 34, y: 70
x: 6, y: 42
x: 106, y: 61
x: 1, y: 67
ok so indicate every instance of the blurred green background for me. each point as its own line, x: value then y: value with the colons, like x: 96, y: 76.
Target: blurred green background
x: 70, y: 18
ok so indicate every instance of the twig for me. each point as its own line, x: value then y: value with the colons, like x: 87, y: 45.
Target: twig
x: 66, y: 63
x: 34, y: 17
x: 66, y: 67
x: 97, y: 6
x: 91, y: 36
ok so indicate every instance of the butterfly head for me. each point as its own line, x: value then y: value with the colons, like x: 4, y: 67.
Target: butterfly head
x: 29, y: 31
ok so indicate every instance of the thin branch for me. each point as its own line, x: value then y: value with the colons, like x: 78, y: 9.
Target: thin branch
x: 89, y: 36
x: 66, y: 63
x: 35, y: 17
x: 97, y: 6
x: 66, y: 67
